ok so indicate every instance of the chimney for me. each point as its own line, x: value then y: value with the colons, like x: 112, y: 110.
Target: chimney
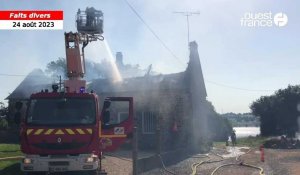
x: 194, y: 75
x: 119, y: 59
x: 194, y: 55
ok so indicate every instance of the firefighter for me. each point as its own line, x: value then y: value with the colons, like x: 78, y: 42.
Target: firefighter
x: 233, y: 138
x: 79, y: 18
x: 90, y: 16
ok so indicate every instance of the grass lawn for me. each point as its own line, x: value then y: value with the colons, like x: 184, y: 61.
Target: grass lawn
x: 10, y: 150
x: 253, y: 142
x: 10, y: 167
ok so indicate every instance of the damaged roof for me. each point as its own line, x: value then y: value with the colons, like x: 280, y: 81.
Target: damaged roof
x: 191, y: 79
x: 156, y: 82
x: 35, y: 81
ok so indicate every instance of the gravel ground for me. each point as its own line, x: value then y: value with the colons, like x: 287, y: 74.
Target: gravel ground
x: 184, y: 167
x: 284, y: 161
x: 277, y: 162
x: 117, y: 166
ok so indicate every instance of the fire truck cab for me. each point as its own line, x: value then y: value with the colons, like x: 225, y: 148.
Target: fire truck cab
x: 67, y: 132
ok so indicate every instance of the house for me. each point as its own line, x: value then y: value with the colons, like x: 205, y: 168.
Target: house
x: 174, y: 104
x: 170, y: 109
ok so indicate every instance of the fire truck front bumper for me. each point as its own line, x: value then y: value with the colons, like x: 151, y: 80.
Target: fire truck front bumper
x: 60, y: 163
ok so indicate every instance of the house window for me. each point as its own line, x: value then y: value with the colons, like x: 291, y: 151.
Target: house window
x: 148, y: 122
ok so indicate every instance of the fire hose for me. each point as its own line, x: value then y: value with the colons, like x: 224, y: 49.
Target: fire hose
x: 165, y: 166
x: 195, y: 165
x: 261, y: 172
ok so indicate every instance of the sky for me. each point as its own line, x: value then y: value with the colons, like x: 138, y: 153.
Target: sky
x: 239, y: 63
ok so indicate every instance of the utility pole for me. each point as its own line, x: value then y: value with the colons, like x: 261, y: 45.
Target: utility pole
x: 188, y: 14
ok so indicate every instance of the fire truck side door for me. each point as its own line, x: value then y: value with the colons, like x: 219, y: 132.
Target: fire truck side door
x: 116, y: 122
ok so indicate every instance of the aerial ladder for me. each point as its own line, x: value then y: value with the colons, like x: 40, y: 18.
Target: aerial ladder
x: 90, y: 28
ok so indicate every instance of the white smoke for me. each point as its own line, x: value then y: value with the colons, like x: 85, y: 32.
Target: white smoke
x: 100, y: 52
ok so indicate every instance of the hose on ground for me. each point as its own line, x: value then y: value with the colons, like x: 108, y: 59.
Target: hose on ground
x: 165, y: 166
x: 219, y: 167
x: 195, y: 165
x: 238, y: 157
x: 261, y: 172
x: 218, y: 155
x: 241, y: 163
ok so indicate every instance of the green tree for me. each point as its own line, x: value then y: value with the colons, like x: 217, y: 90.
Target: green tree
x: 3, y: 116
x: 93, y: 70
x: 278, y: 113
x: 57, y: 68
x: 3, y: 109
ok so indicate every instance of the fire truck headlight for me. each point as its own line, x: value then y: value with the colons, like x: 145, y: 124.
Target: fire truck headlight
x: 27, y: 161
x: 91, y: 159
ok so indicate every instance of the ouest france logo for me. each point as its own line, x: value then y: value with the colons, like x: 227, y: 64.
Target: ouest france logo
x: 264, y: 19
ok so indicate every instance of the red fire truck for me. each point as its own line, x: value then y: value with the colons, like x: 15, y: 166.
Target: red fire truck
x: 67, y: 130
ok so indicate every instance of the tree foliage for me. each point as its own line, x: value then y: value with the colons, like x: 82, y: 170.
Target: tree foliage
x: 57, y: 68
x: 242, y: 119
x: 3, y: 110
x: 93, y: 70
x: 3, y: 116
x: 278, y: 113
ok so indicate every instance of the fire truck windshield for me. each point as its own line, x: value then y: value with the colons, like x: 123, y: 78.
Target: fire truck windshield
x: 63, y: 111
